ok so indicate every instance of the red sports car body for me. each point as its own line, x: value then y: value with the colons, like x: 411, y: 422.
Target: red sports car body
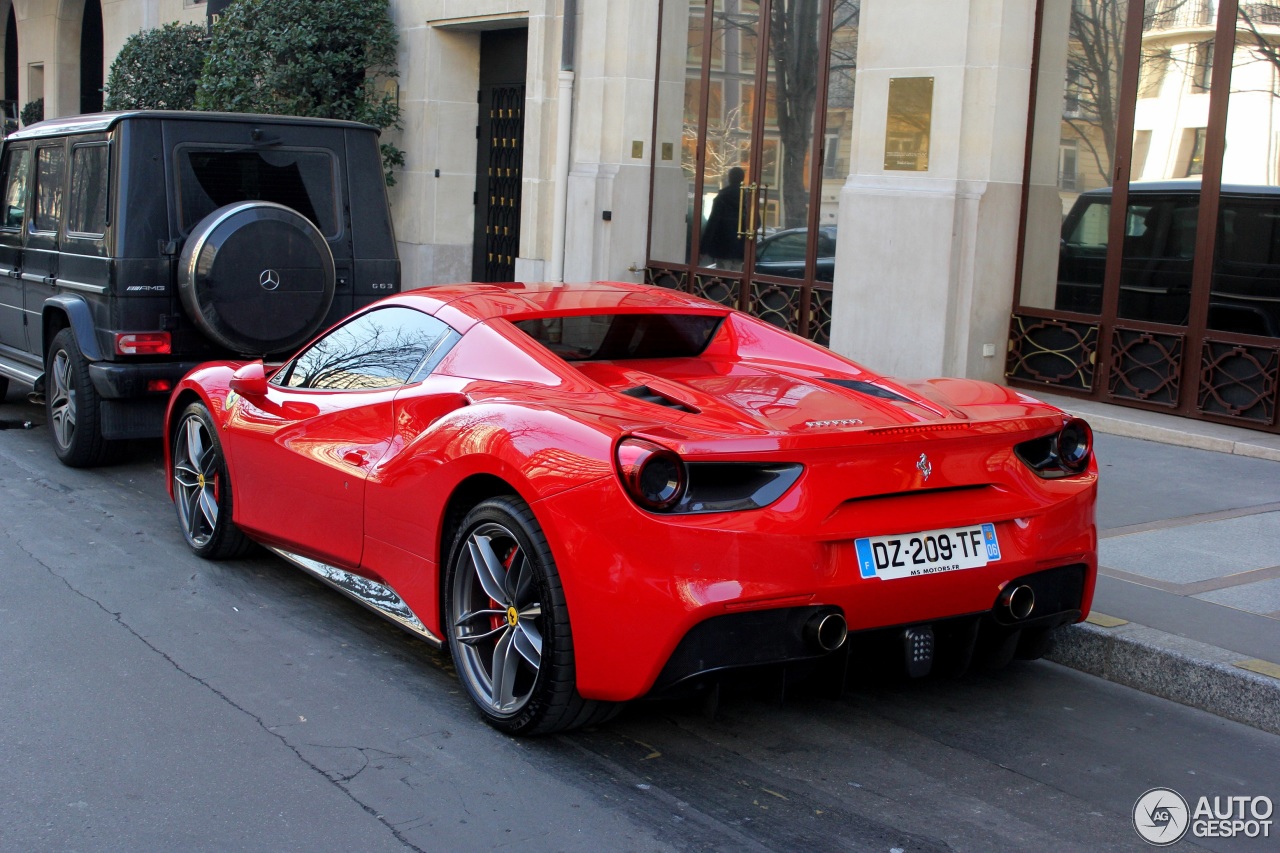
x: 593, y: 493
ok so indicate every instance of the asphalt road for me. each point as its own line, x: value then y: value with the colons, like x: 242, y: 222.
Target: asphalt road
x: 150, y: 700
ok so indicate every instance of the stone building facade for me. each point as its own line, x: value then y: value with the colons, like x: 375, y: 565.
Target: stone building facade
x: 901, y: 174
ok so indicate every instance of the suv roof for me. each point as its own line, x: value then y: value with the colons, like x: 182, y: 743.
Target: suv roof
x: 1185, y: 186
x: 97, y: 122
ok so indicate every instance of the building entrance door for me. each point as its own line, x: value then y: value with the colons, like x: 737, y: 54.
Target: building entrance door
x: 499, y: 153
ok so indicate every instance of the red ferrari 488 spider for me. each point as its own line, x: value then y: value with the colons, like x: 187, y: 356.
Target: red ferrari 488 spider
x: 593, y: 493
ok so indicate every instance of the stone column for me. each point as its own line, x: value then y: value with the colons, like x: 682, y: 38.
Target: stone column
x: 925, y: 259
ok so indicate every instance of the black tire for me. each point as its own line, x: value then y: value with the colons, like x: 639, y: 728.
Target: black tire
x: 4, y: 388
x: 72, y: 406
x: 202, y: 488
x: 501, y: 555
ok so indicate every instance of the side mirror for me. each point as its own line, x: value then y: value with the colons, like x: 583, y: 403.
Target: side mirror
x: 250, y: 380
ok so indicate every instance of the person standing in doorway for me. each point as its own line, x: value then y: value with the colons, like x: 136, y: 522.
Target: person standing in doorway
x: 720, y: 238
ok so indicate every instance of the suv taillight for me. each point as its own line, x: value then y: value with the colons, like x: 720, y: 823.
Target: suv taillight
x: 143, y: 343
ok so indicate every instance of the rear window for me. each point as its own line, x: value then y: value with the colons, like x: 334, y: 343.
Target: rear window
x: 617, y: 337
x: 303, y: 179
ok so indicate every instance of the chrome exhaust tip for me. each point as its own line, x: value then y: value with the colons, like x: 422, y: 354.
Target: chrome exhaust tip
x: 1017, y: 602
x: 826, y: 631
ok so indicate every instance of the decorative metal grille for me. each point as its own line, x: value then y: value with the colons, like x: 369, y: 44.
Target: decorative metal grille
x: 1052, y: 352
x: 820, y: 316
x: 506, y: 154
x: 1146, y: 366
x: 776, y: 304
x: 1238, y: 381
x: 673, y: 279
x: 722, y: 290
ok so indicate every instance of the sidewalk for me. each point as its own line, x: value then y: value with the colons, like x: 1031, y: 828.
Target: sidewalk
x: 1188, y: 599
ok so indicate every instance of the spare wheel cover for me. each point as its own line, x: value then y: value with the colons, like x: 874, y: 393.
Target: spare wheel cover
x: 256, y: 277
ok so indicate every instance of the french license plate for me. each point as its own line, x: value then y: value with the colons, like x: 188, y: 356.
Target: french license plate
x: 929, y: 552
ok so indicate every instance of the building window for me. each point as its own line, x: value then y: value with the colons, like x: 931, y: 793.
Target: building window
x: 1194, y: 144
x: 1202, y: 67
x: 1068, y: 159
x: 1154, y: 66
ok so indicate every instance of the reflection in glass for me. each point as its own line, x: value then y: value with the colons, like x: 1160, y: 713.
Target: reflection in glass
x: 1074, y: 151
x: 16, y: 162
x: 49, y: 162
x: 679, y: 102
x: 1245, y: 290
x: 726, y: 179
x: 747, y: 115
x: 380, y: 349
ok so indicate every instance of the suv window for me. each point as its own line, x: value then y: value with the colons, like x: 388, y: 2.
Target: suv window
x: 49, y: 171
x: 303, y: 179
x: 380, y: 349
x: 16, y: 162
x: 88, y: 214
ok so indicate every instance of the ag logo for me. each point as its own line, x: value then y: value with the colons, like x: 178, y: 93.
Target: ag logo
x: 1161, y: 817
x: 270, y: 279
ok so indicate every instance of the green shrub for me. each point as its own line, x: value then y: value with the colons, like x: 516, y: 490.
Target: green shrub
x: 158, y: 69
x: 32, y: 112
x: 323, y: 58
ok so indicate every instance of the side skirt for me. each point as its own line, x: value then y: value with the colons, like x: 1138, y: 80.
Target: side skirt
x: 375, y: 596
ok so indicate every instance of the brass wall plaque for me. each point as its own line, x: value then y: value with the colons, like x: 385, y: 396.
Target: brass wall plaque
x: 906, y: 132
x: 637, y: 149
x: 668, y: 150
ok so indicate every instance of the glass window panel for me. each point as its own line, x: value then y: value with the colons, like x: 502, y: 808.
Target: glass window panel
x: 1158, y: 253
x: 16, y: 170
x: 1245, y: 290
x: 678, y: 106
x: 305, y: 181
x: 49, y: 174
x: 88, y: 214
x: 1078, y: 97
x: 380, y: 349
x: 724, y: 206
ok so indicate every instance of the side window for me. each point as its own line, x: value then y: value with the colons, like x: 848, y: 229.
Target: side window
x: 88, y: 213
x: 380, y: 349
x: 50, y: 162
x: 17, y: 162
x: 1089, y: 230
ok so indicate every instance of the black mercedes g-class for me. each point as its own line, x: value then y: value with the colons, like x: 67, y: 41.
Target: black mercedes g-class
x: 136, y: 245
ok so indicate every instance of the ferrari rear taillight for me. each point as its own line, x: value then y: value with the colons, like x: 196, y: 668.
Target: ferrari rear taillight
x: 653, y: 476
x: 143, y: 343
x: 1061, y: 454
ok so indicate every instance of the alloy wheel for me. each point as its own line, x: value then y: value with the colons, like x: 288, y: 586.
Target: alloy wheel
x: 497, y: 619
x: 62, y: 403
x: 196, y: 481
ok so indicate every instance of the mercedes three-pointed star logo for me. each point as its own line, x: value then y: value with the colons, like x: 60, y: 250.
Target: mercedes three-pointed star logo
x: 270, y: 279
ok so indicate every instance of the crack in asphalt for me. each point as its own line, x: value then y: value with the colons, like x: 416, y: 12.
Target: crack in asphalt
x: 338, y: 783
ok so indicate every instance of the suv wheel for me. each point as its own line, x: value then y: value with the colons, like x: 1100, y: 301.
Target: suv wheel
x: 72, y: 405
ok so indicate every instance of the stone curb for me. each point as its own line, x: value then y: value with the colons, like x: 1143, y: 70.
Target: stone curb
x: 1172, y: 667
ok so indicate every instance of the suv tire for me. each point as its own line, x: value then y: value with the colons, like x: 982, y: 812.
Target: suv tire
x: 72, y: 405
x: 256, y: 277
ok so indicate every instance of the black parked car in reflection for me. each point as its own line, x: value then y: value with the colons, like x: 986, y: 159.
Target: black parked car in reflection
x: 1159, y: 251
x: 783, y: 253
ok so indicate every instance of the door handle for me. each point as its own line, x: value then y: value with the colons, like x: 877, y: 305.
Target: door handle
x: 356, y: 457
